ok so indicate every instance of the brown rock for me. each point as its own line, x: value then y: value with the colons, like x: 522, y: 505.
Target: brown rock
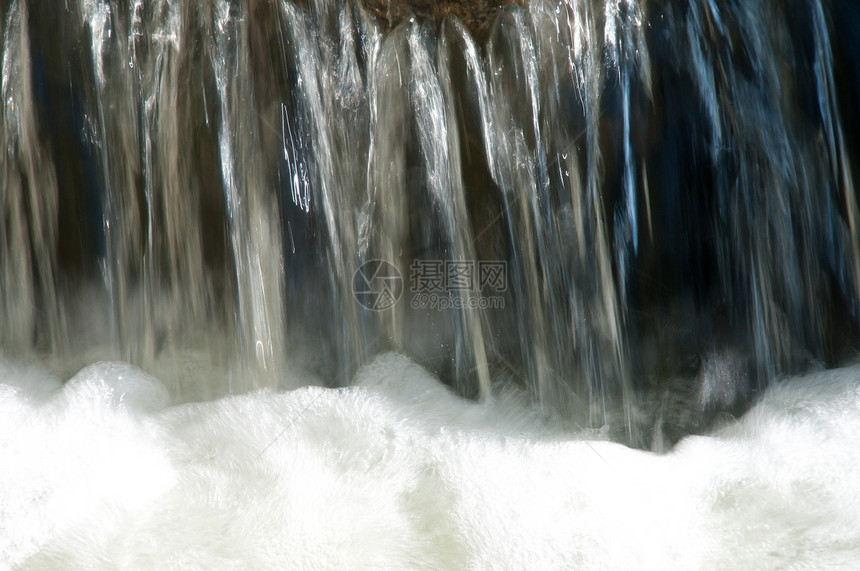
x: 477, y: 15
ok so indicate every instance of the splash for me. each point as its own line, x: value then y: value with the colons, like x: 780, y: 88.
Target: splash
x: 396, y: 471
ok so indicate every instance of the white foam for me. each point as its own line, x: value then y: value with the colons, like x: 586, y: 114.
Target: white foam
x: 396, y: 472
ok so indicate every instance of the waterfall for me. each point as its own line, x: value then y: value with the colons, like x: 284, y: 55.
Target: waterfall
x: 597, y: 200
x: 411, y: 284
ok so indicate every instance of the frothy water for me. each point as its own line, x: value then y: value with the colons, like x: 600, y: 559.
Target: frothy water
x: 397, y: 472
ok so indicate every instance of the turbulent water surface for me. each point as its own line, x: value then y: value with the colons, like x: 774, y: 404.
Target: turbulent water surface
x: 397, y: 472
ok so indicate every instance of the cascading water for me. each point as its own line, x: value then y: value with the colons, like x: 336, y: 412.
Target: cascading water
x: 613, y: 220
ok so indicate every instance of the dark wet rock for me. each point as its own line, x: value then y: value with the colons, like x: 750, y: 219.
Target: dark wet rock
x: 477, y: 15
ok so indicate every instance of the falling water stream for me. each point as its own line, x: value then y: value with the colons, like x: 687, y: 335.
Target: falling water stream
x: 602, y: 224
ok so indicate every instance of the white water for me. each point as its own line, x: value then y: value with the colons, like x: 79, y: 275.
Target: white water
x: 396, y: 472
